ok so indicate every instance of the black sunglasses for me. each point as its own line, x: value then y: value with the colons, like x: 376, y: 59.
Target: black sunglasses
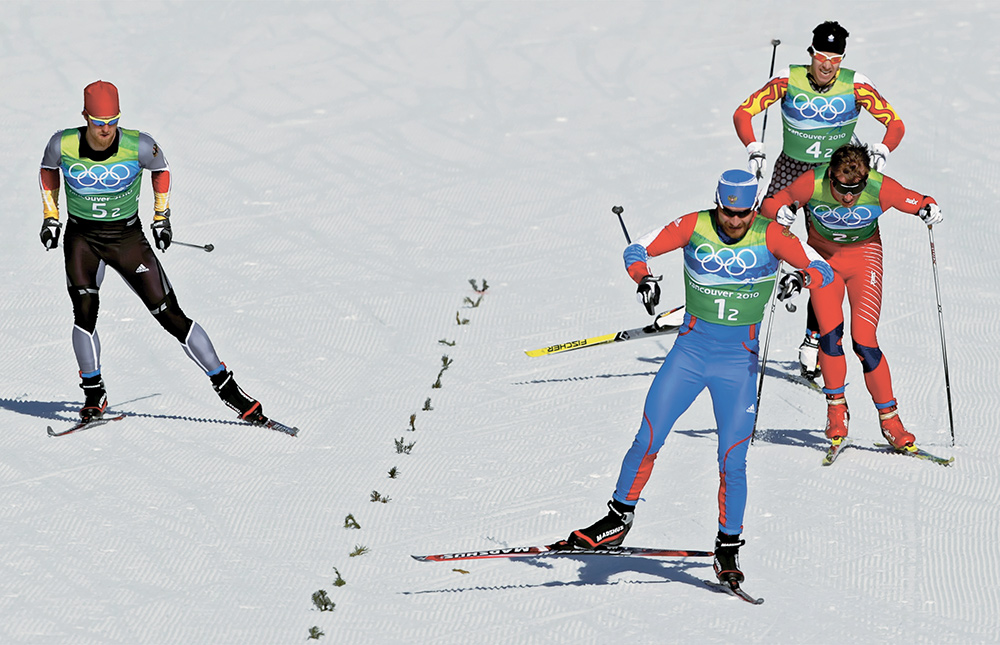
x: 731, y: 213
x: 848, y: 189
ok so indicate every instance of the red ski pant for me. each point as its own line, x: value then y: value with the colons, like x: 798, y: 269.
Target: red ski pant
x: 858, y: 273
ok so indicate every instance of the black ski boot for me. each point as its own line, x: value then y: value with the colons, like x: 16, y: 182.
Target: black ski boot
x: 610, y: 530
x: 727, y: 561
x: 95, y: 398
x: 248, y: 408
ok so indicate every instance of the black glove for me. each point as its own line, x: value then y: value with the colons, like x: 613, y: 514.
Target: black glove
x: 161, y: 230
x: 790, y: 285
x: 648, y: 293
x: 50, y: 233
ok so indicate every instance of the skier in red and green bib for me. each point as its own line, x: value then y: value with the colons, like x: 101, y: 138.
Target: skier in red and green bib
x: 820, y: 106
x: 843, y: 202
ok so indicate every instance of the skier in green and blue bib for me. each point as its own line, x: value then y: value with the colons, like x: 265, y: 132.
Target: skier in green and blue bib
x: 731, y: 259
x: 102, y: 166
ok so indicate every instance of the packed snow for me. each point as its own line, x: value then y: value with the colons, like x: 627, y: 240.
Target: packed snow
x: 355, y: 165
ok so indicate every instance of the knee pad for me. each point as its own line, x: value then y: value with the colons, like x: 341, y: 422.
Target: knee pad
x: 870, y: 357
x: 86, y: 301
x: 830, y: 342
x: 168, y: 313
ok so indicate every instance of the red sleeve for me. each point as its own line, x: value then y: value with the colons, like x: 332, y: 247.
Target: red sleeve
x: 48, y: 178
x: 755, y: 104
x: 787, y: 247
x: 870, y: 99
x: 800, y: 190
x: 161, y: 181
x: 672, y: 236
x: 893, y: 195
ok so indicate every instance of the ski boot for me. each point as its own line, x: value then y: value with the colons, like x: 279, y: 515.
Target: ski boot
x: 893, y: 430
x: 727, y: 561
x: 610, y: 530
x: 809, y: 356
x: 95, y: 399
x: 837, y: 417
x: 247, y: 408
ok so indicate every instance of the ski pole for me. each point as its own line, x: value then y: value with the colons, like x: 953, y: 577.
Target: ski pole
x: 763, y: 355
x: 618, y: 210
x: 774, y: 51
x: 208, y: 248
x: 944, y: 348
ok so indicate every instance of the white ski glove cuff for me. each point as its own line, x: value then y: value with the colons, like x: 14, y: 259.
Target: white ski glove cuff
x: 931, y: 214
x: 756, y: 161
x: 879, y: 155
x: 785, y: 216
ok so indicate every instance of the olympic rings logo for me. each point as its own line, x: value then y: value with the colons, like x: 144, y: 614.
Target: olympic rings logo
x: 847, y: 217
x: 734, y: 263
x: 108, y: 177
x: 826, y: 109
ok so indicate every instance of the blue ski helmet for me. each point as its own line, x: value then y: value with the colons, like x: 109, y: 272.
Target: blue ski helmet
x: 737, y: 189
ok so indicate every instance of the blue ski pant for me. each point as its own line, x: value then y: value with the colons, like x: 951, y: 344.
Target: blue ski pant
x: 724, y: 360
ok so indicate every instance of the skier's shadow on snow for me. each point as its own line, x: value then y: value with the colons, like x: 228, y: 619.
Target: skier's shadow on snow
x: 655, y: 360
x: 600, y: 571
x: 801, y: 438
x: 69, y: 411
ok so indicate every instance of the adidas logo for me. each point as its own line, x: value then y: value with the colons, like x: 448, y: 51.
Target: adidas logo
x: 751, y: 409
x: 141, y: 269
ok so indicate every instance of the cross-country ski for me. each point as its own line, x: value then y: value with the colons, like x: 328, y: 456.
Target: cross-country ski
x: 668, y: 322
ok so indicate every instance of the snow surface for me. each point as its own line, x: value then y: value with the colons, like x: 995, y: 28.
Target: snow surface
x: 355, y: 164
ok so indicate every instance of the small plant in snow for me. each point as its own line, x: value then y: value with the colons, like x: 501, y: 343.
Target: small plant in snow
x: 351, y: 523
x: 460, y: 320
x: 427, y: 405
x: 413, y: 419
x: 475, y: 287
x: 339, y: 582
x: 358, y: 550
x: 473, y: 303
x: 315, y: 633
x: 393, y: 473
x: 437, y: 384
x: 322, y: 601
x: 445, y: 363
x: 376, y: 497
x: 445, y: 341
x: 403, y: 448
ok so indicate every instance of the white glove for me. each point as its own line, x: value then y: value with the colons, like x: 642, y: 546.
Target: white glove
x: 785, y: 216
x: 931, y: 214
x: 756, y: 161
x: 879, y: 155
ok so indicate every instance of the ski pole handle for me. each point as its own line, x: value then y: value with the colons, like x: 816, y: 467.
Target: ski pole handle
x: 618, y: 210
x: 208, y: 248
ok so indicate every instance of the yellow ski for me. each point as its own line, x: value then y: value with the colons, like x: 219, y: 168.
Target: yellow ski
x: 666, y: 323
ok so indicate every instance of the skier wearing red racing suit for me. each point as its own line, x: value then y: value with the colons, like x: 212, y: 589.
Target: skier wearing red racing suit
x: 843, y: 202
